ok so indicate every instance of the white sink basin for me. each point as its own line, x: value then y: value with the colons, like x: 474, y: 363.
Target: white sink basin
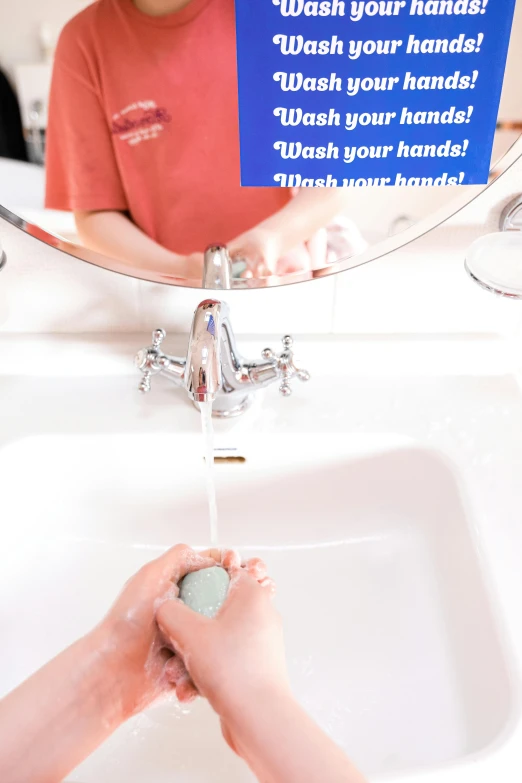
x: 392, y: 641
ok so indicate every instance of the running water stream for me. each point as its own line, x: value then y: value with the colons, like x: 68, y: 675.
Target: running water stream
x: 208, y: 442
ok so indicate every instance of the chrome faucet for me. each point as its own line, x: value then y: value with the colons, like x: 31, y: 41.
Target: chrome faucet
x: 213, y: 369
x: 217, y: 268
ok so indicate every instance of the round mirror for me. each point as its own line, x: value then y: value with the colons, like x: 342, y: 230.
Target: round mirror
x: 119, y: 144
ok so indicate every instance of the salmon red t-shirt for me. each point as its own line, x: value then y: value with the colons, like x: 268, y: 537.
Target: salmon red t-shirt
x: 143, y: 118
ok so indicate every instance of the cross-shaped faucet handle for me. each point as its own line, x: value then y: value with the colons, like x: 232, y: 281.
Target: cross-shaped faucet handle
x: 149, y: 359
x: 286, y: 365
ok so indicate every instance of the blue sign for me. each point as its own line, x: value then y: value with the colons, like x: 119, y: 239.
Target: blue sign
x: 369, y: 92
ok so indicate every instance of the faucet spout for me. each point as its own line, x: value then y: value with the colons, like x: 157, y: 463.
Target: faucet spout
x: 213, y: 370
x: 217, y: 268
x: 203, y: 375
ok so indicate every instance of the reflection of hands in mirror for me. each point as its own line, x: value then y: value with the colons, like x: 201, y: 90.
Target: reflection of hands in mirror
x: 113, y: 234
x: 310, y: 232
x: 260, y: 249
x: 344, y: 239
x: 191, y: 266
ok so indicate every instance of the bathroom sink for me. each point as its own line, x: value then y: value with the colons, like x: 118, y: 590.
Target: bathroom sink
x: 392, y: 639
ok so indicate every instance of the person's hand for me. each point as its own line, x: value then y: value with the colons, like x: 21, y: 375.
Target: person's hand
x: 188, y: 267
x: 134, y: 645
x: 237, y: 654
x: 260, y: 248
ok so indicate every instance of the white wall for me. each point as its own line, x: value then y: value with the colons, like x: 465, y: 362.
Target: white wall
x: 20, y: 21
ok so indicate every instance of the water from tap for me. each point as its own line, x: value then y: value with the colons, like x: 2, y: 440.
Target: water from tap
x: 208, y: 442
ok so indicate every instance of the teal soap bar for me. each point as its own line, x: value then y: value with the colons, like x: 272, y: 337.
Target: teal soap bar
x: 238, y: 267
x: 205, y: 590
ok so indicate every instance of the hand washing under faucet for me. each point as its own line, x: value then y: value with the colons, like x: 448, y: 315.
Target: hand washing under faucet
x: 213, y: 369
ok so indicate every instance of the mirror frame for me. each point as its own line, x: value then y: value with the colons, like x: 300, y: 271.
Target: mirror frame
x: 379, y: 250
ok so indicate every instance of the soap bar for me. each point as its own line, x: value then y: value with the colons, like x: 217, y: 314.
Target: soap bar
x: 238, y: 267
x: 205, y: 590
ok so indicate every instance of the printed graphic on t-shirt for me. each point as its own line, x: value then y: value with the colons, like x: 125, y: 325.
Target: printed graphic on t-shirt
x: 140, y: 121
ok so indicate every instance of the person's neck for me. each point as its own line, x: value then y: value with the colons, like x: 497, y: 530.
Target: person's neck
x: 160, y: 7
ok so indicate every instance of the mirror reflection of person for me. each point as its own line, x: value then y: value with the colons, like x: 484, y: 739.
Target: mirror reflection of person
x: 143, y: 144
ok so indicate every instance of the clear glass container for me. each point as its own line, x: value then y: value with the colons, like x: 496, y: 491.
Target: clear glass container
x: 494, y: 261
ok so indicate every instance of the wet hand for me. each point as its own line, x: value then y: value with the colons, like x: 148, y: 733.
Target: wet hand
x: 134, y: 646
x: 261, y: 250
x: 189, y: 267
x: 235, y: 655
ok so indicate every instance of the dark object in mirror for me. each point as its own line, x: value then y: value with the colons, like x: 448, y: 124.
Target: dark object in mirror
x: 12, y: 143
